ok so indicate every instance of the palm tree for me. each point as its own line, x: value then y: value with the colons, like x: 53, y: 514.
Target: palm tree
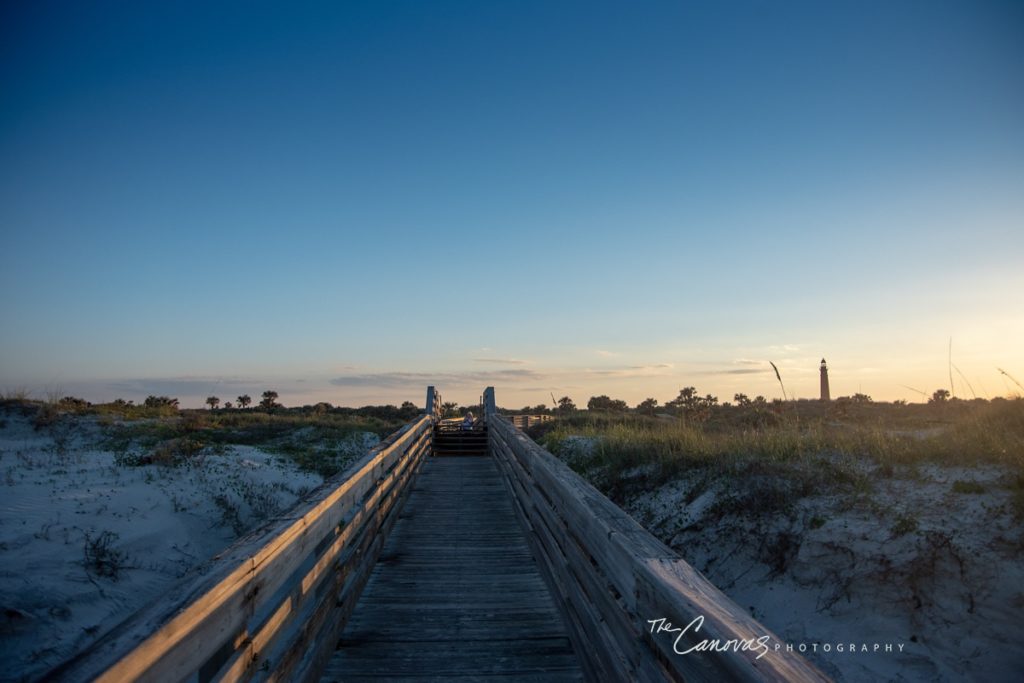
x: 213, y: 402
x: 244, y: 400
x: 269, y: 399
x: 161, y: 402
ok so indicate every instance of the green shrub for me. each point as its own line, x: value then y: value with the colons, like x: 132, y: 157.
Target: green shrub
x: 968, y: 487
x: 905, y: 524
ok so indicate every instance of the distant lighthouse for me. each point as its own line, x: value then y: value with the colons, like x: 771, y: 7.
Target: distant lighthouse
x: 825, y: 396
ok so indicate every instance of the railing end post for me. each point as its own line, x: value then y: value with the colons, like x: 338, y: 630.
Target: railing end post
x: 489, y: 406
x: 433, y: 408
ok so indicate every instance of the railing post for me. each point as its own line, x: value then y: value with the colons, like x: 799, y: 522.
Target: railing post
x: 433, y: 403
x: 489, y: 407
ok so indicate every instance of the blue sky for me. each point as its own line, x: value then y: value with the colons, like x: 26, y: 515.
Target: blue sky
x: 347, y: 202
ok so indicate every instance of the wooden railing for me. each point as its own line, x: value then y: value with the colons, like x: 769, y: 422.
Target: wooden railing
x: 526, y: 421
x: 613, y: 581
x: 272, y: 606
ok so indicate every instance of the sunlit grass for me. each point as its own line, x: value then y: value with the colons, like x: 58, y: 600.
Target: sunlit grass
x: 806, y: 449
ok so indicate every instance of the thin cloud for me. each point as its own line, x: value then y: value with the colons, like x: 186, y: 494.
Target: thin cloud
x: 176, y: 385
x: 632, y: 371
x: 606, y: 354
x: 395, y: 380
x: 502, y: 361
x: 733, y: 371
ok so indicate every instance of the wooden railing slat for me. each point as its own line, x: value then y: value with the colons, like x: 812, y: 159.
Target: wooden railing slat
x: 323, y: 623
x: 613, y: 577
x: 265, y: 637
x: 607, y: 629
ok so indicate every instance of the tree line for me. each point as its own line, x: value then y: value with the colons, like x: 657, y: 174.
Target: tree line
x: 690, y: 403
x: 268, y: 403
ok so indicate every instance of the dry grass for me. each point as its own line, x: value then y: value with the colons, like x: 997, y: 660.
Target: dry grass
x: 792, y: 450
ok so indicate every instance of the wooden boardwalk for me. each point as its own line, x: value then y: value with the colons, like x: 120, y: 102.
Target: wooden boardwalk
x: 456, y: 593
x: 413, y: 566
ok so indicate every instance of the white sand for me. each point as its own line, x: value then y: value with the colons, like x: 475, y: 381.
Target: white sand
x: 163, y: 521
x: 951, y: 590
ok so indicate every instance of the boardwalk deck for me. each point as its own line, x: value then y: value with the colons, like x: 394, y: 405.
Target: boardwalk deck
x: 456, y: 593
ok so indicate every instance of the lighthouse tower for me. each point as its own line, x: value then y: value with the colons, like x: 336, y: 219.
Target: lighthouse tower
x: 824, y: 382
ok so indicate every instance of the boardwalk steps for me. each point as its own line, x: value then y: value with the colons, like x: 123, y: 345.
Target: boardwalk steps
x: 457, y: 441
x: 420, y: 564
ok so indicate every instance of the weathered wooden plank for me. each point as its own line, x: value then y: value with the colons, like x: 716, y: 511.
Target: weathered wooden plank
x: 672, y: 588
x: 598, y: 663
x: 612, y: 624
x: 610, y: 536
x: 607, y: 625
x: 456, y: 591
x: 604, y: 653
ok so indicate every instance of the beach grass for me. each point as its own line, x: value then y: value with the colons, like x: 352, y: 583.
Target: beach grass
x: 800, y: 447
x: 319, y: 439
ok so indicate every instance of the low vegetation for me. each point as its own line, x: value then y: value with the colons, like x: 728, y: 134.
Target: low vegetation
x: 102, y: 558
x: 320, y: 438
x: 780, y: 452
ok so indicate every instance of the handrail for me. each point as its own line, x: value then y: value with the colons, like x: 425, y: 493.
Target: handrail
x: 615, y: 581
x: 272, y: 606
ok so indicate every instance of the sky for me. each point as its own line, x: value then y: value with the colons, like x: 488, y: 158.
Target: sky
x: 347, y: 202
